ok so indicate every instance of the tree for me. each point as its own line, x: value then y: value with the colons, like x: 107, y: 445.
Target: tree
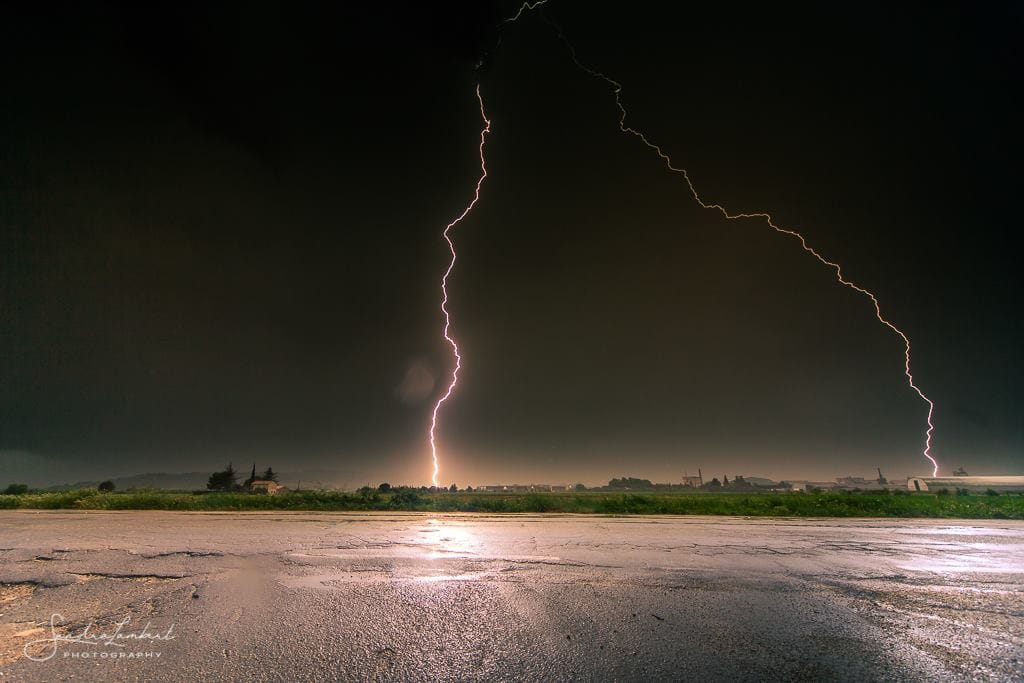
x: 384, y: 488
x: 223, y: 481
x: 453, y: 488
x: 725, y: 480
x: 106, y: 486
x: 16, y: 489
x: 251, y: 479
x: 269, y: 475
x: 581, y: 487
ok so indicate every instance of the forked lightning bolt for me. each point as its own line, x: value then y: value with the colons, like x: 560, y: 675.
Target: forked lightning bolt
x: 617, y: 89
x: 444, y: 289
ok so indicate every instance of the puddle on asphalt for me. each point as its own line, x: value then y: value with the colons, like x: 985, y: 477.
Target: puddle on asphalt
x: 398, y: 574
x: 953, y: 563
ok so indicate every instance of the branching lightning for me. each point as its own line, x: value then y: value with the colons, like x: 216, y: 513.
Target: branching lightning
x: 617, y: 89
x: 444, y: 288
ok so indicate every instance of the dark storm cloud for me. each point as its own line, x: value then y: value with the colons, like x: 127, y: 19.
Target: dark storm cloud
x: 221, y: 238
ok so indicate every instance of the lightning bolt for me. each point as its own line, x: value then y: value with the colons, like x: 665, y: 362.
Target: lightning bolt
x: 767, y: 217
x: 525, y: 7
x: 444, y: 289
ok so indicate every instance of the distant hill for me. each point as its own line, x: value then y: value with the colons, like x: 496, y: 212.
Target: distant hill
x: 179, y: 481
x: 196, y: 481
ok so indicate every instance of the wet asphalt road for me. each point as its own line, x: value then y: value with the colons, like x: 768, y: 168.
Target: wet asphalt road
x: 310, y: 597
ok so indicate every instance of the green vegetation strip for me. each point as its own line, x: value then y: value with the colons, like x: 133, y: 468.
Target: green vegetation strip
x: 852, y: 504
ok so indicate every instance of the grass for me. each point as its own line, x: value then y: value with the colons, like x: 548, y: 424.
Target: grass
x: 852, y: 504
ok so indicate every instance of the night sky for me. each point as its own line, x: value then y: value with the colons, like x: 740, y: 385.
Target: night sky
x: 221, y: 240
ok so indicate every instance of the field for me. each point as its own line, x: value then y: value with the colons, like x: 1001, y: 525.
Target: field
x: 845, y: 504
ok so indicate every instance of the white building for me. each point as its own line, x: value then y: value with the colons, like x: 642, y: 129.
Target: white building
x: 267, y: 486
x: 1000, y: 483
x: 806, y: 485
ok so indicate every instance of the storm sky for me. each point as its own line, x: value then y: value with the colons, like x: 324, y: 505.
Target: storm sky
x: 221, y: 240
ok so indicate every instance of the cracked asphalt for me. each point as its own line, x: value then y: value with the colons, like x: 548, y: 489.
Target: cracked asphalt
x: 405, y: 596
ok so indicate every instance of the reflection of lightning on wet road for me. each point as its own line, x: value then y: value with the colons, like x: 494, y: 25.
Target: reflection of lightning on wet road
x: 444, y: 289
x: 394, y: 595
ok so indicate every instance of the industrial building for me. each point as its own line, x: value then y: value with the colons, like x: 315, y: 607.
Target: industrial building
x: 982, y: 484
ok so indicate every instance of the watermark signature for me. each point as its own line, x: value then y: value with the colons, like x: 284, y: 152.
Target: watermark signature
x: 116, y: 636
